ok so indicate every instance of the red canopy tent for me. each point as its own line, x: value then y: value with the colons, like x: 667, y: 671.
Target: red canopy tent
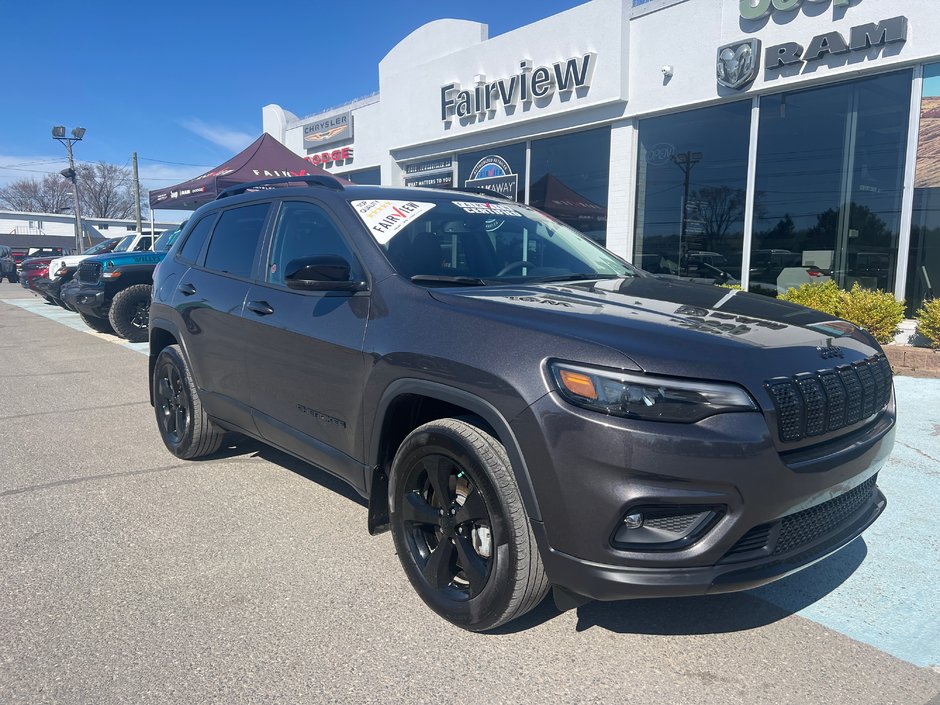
x: 265, y: 158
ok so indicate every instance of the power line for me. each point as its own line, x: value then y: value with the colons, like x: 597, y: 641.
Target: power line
x: 164, y: 161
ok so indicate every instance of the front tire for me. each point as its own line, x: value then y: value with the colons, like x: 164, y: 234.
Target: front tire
x: 184, y: 426
x: 130, y: 313
x: 99, y: 325
x: 459, y: 526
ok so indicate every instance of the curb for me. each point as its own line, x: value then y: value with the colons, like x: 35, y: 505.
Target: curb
x: 913, y: 362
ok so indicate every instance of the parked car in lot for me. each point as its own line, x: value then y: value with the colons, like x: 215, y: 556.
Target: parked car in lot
x: 62, y: 269
x: 7, y: 265
x: 522, y: 408
x: 111, y: 292
x: 32, y: 270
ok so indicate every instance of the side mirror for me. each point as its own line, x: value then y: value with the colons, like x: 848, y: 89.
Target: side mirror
x: 321, y: 273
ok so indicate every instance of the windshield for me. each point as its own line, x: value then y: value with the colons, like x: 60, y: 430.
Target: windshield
x: 479, y: 242
x: 166, y: 240
x: 100, y: 247
x: 124, y: 243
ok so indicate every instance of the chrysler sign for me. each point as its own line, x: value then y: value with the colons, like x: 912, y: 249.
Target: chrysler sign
x: 329, y: 130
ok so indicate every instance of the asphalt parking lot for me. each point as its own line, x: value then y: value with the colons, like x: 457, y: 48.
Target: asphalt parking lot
x: 128, y: 576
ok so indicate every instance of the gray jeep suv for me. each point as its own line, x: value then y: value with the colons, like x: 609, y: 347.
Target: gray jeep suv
x: 522, y: 409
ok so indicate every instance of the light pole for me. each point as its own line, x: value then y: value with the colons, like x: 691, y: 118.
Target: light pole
x: 58, y: 133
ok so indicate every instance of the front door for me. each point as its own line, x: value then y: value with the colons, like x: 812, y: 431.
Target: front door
x: 304, y: 362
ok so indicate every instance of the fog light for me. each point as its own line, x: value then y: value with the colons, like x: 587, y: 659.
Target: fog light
x: 633, y: 521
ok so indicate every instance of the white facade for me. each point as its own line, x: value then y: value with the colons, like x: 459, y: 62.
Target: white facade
x: 21, y: 223
x: 650, y: 58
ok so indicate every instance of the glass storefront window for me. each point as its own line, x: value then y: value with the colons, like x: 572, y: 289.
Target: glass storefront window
x: 365, y: 177
x: 830, y: 172
x: 691, y: 187
x: 501, y: 169
x: 923, y: 274
x: 569, y: 178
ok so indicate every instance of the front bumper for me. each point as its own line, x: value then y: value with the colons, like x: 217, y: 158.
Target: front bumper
x: 87, y: 299
x: 589, y: 471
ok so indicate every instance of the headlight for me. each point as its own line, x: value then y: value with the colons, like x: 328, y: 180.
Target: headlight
x: 638, y: 396
x: 111, y: 275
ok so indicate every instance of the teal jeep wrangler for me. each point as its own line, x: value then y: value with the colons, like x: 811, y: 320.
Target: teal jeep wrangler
x: 112, y: 292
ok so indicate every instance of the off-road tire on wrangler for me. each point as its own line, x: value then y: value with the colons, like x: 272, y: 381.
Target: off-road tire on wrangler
x: 130, y: 312
x: 184, y: 426
x: 99, y: 325
x: 450, y: 481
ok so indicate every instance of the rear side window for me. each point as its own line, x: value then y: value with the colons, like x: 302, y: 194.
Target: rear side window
x: 193, y: 243
x: 235, y: 239
x: 143, y: 244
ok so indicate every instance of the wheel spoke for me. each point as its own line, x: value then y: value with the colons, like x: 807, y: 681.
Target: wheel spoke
x: 165, y: 389
x: 438, y: 470
x: 473, y: 508
x: 474, y: 567
x: 437, y: 570
x: 180, y: 420
x: 416, y: 510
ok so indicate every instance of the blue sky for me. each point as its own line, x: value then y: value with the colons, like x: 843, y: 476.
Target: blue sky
x: 184, y: 82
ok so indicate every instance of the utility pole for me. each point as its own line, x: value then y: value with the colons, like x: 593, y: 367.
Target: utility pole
x: 58, y: 133
x: 685, y: 161
x: 137, y: 196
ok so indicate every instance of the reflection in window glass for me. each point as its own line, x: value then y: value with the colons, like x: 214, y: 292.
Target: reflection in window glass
x: 830, y: 168
x: 235, y: 239
x: 365, y: 177
x: 569, y: 176
x: 691, y: 193
x: 305, y: 230
x: 501, y: 169
x: 923, y: 274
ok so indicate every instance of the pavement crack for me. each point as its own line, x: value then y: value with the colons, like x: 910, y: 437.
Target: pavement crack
x: 917, y: 450
x: 92, y: 478
x: 72, y: 411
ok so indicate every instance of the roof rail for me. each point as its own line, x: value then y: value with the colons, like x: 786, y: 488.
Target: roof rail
x: 483, y: 191
x: 311, y: 180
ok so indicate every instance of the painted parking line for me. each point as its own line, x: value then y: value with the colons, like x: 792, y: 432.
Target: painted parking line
x: 884, y: 588
x: 70, y: 319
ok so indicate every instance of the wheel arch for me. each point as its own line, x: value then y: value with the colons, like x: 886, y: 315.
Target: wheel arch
x: 163, y: 333
x: 395, y: 417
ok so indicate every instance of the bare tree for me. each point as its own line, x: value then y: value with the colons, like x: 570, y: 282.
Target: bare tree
x: 107, y: 190
x: 50, y: 194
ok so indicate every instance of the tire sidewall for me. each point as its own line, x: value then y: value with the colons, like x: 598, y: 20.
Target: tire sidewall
x: 487, y: 608
x: 122, y: 306
x: 171, y: 356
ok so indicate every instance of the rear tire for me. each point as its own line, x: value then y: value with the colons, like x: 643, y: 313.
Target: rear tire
x: 184, y: 426
x: 459, y: 526
x: 99, y: 325
x: 130, y: 313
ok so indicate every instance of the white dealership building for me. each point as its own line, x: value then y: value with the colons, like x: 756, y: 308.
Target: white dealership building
x: 766, y: 141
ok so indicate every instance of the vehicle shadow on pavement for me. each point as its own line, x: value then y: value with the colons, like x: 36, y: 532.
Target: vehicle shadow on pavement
x: 712, y: 614
x: 236, y: 446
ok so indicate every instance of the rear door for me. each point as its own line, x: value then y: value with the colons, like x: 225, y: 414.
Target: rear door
x: 304, y: 348
x: 209, y: 300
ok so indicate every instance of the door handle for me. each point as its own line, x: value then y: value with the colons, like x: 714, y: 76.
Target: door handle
x: 186, y: 289
x: 262, y: 308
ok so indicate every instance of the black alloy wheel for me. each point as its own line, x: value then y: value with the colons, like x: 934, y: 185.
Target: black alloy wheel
x: 186, y: 430
x: 460, y: 529
x: 447, y: 527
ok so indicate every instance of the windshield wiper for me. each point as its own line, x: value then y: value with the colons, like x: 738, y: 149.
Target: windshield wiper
x: 444, y: 279
x: 578, y: 277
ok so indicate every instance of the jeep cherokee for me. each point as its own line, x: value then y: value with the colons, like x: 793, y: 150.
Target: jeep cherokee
x: 522, y: 409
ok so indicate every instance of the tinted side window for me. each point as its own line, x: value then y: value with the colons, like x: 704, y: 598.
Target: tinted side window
x: 143, y: 244
x: 235, y: 239
x: 192, y: 246
x: 305, y: 230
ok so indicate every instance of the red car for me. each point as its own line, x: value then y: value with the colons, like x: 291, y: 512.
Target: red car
x: 33, y: 269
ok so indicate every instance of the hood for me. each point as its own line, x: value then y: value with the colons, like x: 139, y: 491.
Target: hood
x: 124, y: 259
x: 678, y: 328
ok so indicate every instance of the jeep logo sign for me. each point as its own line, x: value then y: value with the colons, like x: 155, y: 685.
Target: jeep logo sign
x: 759, y: 9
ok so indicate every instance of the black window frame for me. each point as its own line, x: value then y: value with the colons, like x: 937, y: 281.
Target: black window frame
x: 195, y: 261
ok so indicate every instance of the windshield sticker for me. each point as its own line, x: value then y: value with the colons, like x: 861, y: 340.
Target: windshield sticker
x: 386, y: 218
x: 487, y: 208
